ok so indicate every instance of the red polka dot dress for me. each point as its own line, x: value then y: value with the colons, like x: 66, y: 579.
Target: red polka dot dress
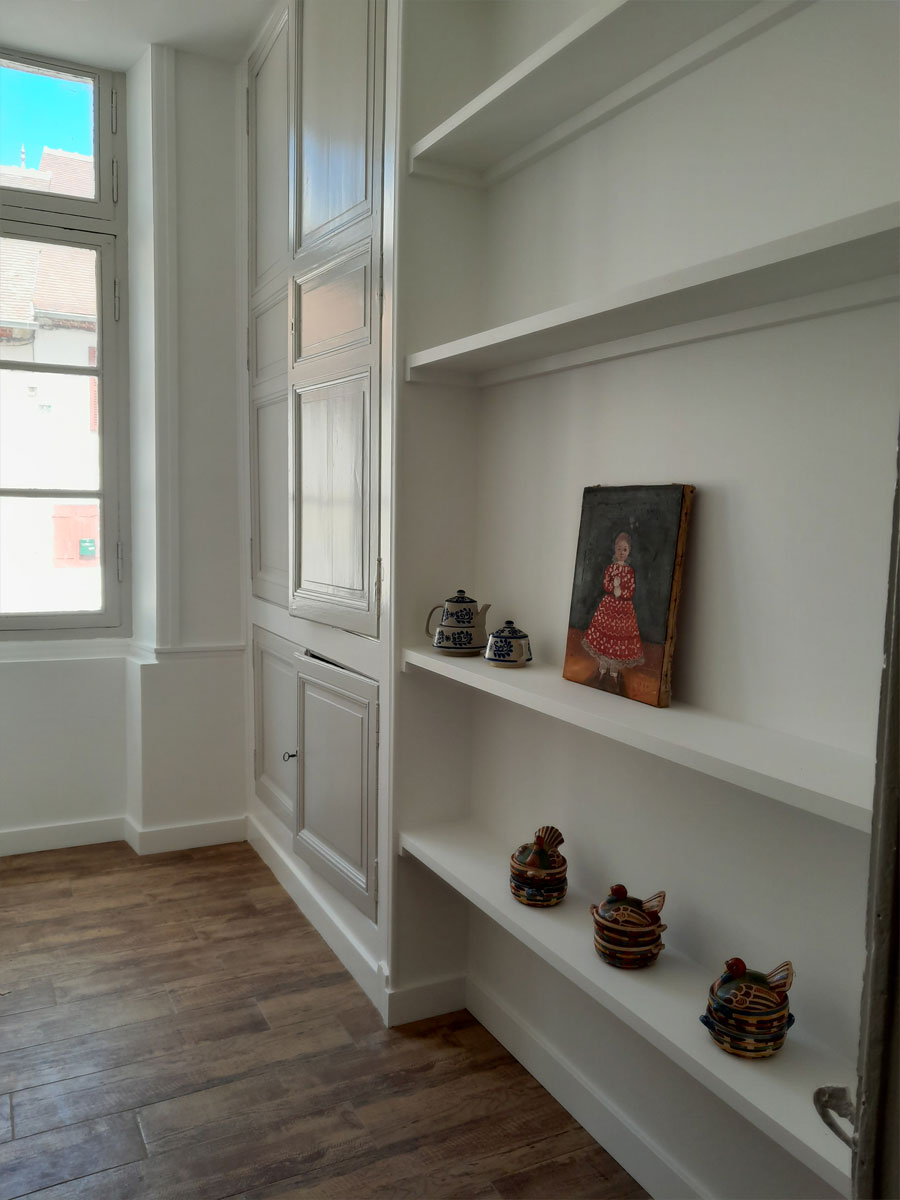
x: 613, y: 637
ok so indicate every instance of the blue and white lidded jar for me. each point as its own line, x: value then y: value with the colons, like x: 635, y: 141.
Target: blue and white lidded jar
x: 508, y: 647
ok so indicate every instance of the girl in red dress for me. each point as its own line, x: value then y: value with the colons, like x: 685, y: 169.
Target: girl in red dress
x: 613, y: 637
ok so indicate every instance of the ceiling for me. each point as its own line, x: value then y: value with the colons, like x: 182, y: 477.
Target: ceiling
x: 114, y: 33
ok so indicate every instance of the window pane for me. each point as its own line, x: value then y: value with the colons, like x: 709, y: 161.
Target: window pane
x: 50, y: 555
x: 48, y: 303
x: 49, y: 431
x: 46, y: 130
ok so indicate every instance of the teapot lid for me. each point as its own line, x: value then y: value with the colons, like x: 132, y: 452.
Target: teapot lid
x: 460, y: 598
x: 509, y: 630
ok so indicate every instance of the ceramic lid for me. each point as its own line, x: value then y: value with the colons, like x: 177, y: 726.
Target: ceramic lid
x: 542, y: 854
x: 619, y: 906
x: 509, y: 630
x: 753, y: 991
x: 460, y: 598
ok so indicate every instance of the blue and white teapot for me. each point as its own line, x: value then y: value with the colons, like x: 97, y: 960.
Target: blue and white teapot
x: 462, y: 628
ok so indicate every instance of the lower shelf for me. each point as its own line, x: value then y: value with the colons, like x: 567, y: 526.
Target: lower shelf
x: 662, y: 1003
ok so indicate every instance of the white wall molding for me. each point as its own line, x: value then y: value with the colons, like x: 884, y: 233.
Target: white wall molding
x: 200, y: 651
x: 160, y: 839
x: 165, y: 228
x: 638, y: 1153
x: 34, y: 838
x: 80, y: 650
x: 291, y: 874
x: 425, y: 999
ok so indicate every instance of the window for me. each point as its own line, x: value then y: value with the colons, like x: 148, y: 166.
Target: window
x: 61, y: 361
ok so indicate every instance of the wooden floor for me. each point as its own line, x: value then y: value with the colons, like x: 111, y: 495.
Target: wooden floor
x: 172, y: 1027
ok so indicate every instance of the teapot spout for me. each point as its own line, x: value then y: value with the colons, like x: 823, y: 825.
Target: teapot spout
x: 481, y: 615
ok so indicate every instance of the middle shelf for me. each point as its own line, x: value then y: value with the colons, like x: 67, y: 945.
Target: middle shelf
x: 818, y: 778
x: 830, y: 259
x: 662, y: 1003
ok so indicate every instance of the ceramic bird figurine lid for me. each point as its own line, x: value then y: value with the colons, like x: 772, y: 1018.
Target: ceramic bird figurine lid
x: 749, y: 991
x: 541, y: 854
x: 621, y: 909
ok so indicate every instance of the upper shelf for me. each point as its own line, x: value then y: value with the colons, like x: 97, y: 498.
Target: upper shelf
x: 662, y: 1004
x: 854, y: 250
x: 613, y: 57
x: 813, y: 776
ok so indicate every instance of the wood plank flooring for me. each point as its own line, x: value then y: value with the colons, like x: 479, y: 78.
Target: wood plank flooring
x: 172, y: 1028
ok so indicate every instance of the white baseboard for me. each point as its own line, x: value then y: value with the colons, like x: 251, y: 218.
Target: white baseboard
x: 288, y: 871
x: 159, y: 839
x: 425, y: 1000
x: 34, y: 838
x: 598, y: 1112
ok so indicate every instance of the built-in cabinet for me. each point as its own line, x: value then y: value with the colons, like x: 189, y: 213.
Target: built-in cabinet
x: 315, y: 126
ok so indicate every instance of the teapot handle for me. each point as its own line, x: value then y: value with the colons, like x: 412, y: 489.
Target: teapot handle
x: 428, y: 632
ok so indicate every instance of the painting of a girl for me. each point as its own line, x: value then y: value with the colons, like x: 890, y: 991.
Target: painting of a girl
x: 613, y: 638
x: 621, y: 633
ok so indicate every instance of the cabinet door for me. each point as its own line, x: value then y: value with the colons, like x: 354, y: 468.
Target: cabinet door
x: 335, y: 312
x: 334, y: 531
x: 270, y: 263
x: 337, y: 117
x: 338, y: 779
x: 275, y: 722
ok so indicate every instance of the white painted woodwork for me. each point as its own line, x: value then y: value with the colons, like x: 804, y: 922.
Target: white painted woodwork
x: 332, y: 306
x: 275, y: 724
x: 335, y: 372
x: 268, y: 343
x: 662, y: 1003
x: 334, y: 527
x: 612, y: 57
x: 855, y: 249
x: 817, y: 777
x: 268, y: 167
x: 337, y: 57
x: 698, y: 260
x: 336, y: 822
x: 268, y: 495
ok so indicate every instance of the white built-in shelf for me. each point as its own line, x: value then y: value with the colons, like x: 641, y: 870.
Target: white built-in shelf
x: 663, y: 1003
x: 844, y: 264
x: 610, y: 59
x: 818, y: 778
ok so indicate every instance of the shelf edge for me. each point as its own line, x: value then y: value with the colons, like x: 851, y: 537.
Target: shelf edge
x: 828, y: 1169
x: 836, y: 808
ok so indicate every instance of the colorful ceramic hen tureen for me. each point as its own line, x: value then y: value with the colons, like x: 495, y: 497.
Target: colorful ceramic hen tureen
x: 747, y: 1011
x: 627, y: 931
x: 537, y: 870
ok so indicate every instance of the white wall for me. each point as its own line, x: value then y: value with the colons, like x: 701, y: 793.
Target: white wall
x: 62, y: 752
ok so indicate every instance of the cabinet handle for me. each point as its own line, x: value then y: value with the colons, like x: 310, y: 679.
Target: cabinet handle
x: 286, y: 757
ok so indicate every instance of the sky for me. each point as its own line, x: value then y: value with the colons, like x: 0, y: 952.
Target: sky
x: 39, y: 110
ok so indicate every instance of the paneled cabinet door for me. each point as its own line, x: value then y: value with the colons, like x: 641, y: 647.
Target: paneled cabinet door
x: 275, y: 754
x: 338, y: 779
x: 337, y: 119
x: 335, y: 311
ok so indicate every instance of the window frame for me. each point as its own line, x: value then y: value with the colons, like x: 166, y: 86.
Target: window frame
x: 107, y: 87
x: 99, y: 224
